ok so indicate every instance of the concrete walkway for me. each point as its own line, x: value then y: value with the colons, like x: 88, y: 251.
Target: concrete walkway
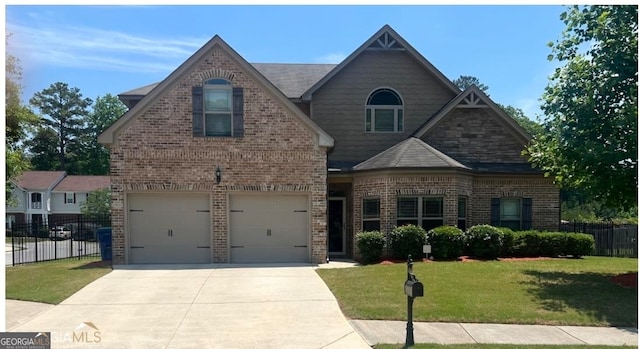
x: 375, y: 332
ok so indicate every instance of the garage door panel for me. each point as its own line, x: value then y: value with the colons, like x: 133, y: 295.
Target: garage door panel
x: 169, y: 228
x: 269, y: 228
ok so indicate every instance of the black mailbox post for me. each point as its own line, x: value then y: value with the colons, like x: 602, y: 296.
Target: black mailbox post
x: 412, y: 288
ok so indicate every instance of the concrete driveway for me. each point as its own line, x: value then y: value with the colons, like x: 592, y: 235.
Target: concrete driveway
x: 193, y: 306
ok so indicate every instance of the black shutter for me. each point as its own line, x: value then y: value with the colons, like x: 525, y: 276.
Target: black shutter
x: 74, y: 198
x: 527, y: 213
x: 495, y: 212
x: 198, y: 112
x: 238, y: 112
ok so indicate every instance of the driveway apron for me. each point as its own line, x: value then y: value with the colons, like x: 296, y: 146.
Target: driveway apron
x: 200, y: 306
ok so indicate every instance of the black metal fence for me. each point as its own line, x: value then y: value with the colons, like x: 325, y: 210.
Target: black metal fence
x: 613, y: 240
x: 59, y: 239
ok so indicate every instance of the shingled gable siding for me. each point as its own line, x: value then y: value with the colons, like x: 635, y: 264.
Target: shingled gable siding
x: 158, y: 153
x: 475, y: 135
x: 338, y: 107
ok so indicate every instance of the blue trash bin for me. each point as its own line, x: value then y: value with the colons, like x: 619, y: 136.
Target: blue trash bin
x: 104, y: 239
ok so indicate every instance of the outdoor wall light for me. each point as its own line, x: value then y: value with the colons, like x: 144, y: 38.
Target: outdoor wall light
x: 218, y: 175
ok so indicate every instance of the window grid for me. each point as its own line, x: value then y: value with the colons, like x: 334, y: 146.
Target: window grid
x: 424, y: 211
x: 384, y: 112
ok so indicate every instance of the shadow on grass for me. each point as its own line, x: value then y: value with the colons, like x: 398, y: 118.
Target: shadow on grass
x: 94, y: 265
x: 588, y: 293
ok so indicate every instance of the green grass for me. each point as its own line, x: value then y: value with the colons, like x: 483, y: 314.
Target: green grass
x: 52, y: 282
x: 496, y: 346
x: 549, y: 292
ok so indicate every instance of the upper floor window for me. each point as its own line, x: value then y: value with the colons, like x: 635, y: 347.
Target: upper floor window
x: 69, y: 198
x: 384, y: 111
x: 218, y: 108
x: 36, y: 200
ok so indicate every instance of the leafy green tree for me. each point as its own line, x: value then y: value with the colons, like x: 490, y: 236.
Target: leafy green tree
x: 591, y: 105
x: 532, y: 127
x: 19, y: 118
x: 464, y: 81
x: 43, y: 149
x: 64, y: 110
x: 98, y: 203
x: 93, y: 157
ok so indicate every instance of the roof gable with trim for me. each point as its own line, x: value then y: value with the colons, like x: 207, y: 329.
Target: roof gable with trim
x: 385, y: 39
x: 109, y: 136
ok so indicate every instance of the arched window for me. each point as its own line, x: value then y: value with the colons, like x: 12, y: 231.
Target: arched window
x: 384, y: 111
x: 218, y: 107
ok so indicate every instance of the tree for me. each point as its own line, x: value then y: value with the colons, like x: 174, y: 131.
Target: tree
x: 93, y: 156
x: 98, y: 204
x: 43, y: 148
x: 591, y: 105
x: 464, y: 81
x: 18, y: 120
x: 532, y: 127
x: 65, y: 110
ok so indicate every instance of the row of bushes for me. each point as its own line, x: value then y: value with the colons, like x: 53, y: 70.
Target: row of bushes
x: 480, y: 241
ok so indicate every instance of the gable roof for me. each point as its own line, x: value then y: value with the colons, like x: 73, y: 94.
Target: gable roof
x: 108, y: 136
x: 292, y: 79
x: 84, y: 184
x: 385, y: 38
x: 410, y: 153
x: 39, y: 180
x: 473, y: 97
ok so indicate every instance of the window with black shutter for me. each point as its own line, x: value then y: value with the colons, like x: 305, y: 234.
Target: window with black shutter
x: 512, y: 213
x: 218, y: 109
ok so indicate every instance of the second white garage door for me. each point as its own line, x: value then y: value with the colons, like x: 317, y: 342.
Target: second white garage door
x: 167, y: 228
x: 269, y: 228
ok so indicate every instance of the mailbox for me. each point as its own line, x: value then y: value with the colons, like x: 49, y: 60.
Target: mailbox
x: 413, y: 288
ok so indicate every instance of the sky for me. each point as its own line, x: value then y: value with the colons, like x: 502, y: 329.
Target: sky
x: 110, y: 49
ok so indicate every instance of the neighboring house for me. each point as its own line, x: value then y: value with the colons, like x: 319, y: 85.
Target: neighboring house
x: 227, y: 161
x: 45, y: 197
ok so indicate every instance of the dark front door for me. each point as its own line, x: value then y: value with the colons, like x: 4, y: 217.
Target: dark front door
x: 336, y: 226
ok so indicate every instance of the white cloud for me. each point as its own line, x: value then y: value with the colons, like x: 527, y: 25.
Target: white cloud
x: 78, y: 46
x: 331, y: 58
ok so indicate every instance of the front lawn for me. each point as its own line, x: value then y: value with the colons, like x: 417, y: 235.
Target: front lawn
x: 549, y: 292
x: 54, y: 281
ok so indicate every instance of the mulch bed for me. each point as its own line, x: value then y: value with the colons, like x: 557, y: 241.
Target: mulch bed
x: 626, y: 280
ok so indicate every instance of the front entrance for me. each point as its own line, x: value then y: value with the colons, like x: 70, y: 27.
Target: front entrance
x: 337, y: 220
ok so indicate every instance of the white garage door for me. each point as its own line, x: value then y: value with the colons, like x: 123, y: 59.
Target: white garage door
x: 269, y: 228
x: 167, y: 228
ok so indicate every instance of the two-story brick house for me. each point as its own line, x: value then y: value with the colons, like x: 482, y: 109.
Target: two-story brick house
x: 227, y: 161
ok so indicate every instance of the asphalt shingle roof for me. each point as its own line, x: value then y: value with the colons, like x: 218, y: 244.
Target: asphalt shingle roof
x: 83, y: 184
x: 410, y: 153
x: 290, y: 78
x: 39, y: 180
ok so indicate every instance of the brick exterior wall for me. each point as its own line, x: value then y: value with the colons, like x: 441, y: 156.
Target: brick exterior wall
x: 156, y: 152
x: 478, y: 189
x: 475, y: 135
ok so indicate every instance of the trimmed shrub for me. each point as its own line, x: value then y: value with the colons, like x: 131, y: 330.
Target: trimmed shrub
x: 579, y: 244
x: 508, y: 242
x: 552, y: 244
x: 484, y: 241
x: 370, y: 244
x: 407, y: 240
x: 446, y: 242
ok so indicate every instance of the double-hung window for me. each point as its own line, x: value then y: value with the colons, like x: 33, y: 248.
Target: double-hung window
x: 425, y: 211
x: 384, y: 112
x: 371, y: 214
x: 513, y: 213
x: 218, y: 108
x: 69, y: 198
